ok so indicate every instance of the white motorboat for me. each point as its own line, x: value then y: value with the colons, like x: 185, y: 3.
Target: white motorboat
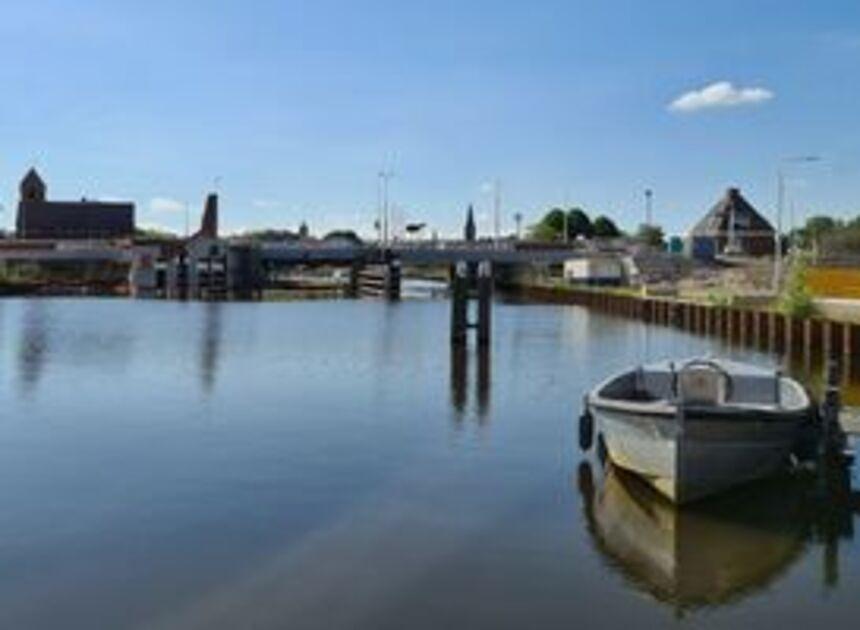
x: 696, y: 427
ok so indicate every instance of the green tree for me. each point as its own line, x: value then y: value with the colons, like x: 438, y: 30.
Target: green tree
x: 578, y: 224
x: 604, y: 227
x: 550, y: 227
x: 651, y: 235
x: 816, y: 227
x: 346, y: 235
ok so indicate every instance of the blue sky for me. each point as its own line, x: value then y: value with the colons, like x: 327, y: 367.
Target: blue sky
x: 296, y: 106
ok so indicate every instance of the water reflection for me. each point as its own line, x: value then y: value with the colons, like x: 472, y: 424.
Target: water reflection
x: 33, y: 347
x: 210, y: 345
x: 52, y: 333
x: 722, y: 550
x: 461, y: 358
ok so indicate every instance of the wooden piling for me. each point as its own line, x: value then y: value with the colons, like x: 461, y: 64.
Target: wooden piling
x: 771, y: 332
x: 459, y: 305
x: 730, y: 324
x: 834, y: 439
x: 485, y: 296
x: 807, y: 343
x: 788, y: 331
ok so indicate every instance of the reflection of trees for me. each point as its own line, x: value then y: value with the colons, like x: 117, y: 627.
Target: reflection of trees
x: 717, y: 551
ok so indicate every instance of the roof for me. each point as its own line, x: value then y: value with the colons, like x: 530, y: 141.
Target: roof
x: 717, y: 221
x: 63, y: 218
x: 32, y: 175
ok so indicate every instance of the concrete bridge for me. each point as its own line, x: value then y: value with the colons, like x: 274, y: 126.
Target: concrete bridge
x: 418, y: 253
x: 213, y: 266
x: 315, y: 252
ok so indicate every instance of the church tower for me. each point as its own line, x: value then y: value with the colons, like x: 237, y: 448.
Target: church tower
x: 32, y: 187
x: 470, y: 232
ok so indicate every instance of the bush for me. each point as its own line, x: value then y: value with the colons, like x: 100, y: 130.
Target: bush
x: 795, y: 299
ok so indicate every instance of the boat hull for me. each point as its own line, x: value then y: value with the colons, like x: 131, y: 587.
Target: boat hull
x: 701, y: 455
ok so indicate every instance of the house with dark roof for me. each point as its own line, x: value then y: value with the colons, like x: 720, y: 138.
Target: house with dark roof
x: 39, y: 218
x: 732, y: 227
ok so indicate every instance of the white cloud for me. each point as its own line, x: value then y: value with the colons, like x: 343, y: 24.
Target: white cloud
x: 719, y: 95
x: 165, y: 204
x: 159, y: 227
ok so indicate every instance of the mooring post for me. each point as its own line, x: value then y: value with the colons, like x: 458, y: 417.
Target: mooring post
x: 459, y: 304
x: 354, y: 274
x: 485, y: 296
x: 834, y: 440
x: 393, y: 276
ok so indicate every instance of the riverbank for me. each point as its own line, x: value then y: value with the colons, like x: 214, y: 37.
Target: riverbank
x: 808, y: 340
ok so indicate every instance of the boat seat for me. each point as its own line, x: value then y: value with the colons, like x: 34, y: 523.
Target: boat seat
x: 654, y: 385
x: 761, y: 390
x: 701, y: 386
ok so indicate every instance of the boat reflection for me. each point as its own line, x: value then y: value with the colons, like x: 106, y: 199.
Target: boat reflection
x: 718, y: 551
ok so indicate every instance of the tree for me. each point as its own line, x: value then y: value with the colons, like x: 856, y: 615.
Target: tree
x: 604, y: 227
x: 550, y: 227
x: 578, y: 224
x: 651, y: 235
x: 554, y: 220
x: 344, y: 235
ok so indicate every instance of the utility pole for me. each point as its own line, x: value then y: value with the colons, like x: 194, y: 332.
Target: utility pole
x: 384, y: 177
x: 566, y: 215
x: 497, y: 209
x: 780, y: 204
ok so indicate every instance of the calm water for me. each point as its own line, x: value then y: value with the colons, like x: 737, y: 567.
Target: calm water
x: 332, y: 465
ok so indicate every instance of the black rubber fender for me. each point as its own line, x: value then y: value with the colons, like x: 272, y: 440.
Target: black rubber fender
x: 586, y: 430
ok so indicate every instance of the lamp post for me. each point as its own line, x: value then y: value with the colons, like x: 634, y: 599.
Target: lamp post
x: 649, y: 205
x: 497, y: 210
x: 384, y: 178
x: 780, y: 203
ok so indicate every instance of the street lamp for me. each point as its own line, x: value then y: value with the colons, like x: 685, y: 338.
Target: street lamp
x: 518, y: 219
x: 780, y: 203
x: 649, y: 205
x: 384, y: 178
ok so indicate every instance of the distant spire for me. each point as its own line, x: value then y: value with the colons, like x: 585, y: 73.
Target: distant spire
x: 470, y: 233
